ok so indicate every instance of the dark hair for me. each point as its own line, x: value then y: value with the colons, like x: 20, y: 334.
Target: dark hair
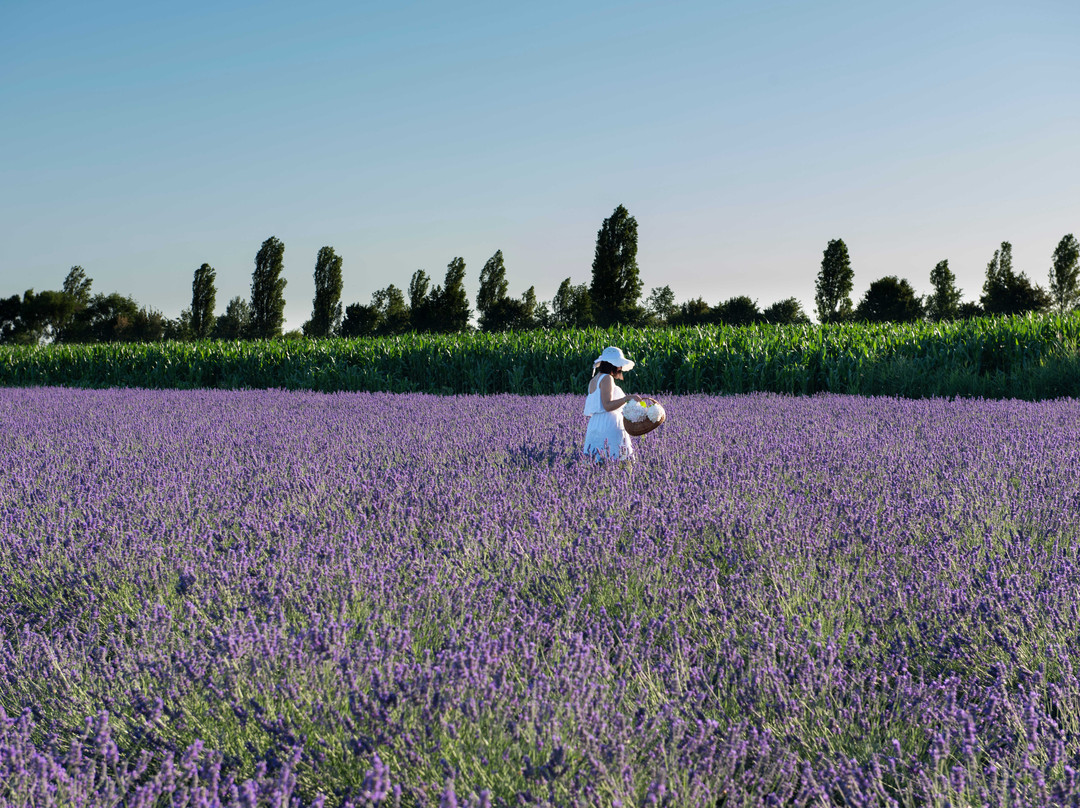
x: 606, y: 367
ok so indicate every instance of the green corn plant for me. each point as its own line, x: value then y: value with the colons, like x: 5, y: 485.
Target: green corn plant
x: 1030, y: 356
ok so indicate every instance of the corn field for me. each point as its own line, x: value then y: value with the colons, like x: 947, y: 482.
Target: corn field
x: 1029, y: 357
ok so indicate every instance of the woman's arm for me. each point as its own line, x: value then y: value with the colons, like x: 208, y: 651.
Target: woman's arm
x: 607, y: 390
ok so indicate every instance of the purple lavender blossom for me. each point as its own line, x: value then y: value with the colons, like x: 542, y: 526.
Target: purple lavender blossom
x: 276, y: 598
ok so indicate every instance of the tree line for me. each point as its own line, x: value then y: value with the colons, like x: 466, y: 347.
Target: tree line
x: 614, y: 297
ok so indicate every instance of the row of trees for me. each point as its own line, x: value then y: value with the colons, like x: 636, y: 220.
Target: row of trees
x: 614, y: 296
x: 892, y: 299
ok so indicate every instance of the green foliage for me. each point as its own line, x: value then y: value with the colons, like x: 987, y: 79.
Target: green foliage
x: 235, y: 323
x: 392, y: 310
x: 387, y: 314
x: 11, y: 324
x: 498, y: 311
x: 451, y: 304
x: 616, y: 285
x: 203, y: 299
x: 1065, y: 274
x: 1006, y: 291
x: 788, y: 311
x: 268, y: 290
x: 834, y: 283
x: 180, y: 328
x: 571, y: 306
x: 692, y: 312
x: 889, y: 300
x: 660, y: 305
x: 113, y: 318
x: 77, y: 285
x: 421, y: 304
x: 47, y: 315
x: 493, y: 288
x: 326, y: 307
x: 740, y: 310
x: 1028, y: 356
x: 360, y: 321
x: 944, y: 302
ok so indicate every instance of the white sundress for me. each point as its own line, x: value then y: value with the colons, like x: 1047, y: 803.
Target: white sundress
x: 605, y: 436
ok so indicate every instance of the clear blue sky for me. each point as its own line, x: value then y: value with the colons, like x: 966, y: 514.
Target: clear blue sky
x: 140, y: 140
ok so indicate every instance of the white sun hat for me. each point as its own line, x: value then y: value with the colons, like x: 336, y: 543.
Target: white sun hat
x: 614, y: 356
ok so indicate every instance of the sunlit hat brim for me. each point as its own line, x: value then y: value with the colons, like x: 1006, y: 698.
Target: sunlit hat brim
x: 614, y: 356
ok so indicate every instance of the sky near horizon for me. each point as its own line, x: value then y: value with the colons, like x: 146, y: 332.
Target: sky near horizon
x: 140, y: 140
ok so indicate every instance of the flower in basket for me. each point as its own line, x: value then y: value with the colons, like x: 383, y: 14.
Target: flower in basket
x: 635, y: 411
x: 641, y: 418
x: 638, y: 411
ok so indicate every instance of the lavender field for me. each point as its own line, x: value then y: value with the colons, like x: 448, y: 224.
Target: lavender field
x: 291, y: 599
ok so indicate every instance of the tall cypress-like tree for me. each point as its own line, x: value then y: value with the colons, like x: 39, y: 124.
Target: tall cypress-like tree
x: 449, y: 301
x: 326, y: 307
x: 528, y: 309
x: 616, y: 285
x: 944, y: 303
x: 490, y: 300
x: 203, y: 298
x: 834, y: 284
x: 268, y: 290
x: 420, y: 302
x: 1065, y: 274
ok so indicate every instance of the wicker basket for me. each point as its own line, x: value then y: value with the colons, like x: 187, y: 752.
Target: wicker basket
x: 643, y: 427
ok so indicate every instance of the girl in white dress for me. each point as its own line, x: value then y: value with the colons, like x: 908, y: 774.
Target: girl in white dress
x: 605, y: 437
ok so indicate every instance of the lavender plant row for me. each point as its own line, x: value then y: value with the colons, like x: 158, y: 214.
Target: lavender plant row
x: 281, y: 598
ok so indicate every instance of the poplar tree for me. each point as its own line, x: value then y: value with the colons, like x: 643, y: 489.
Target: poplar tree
x: 834, y: 283
x: 203, y: 298
x: 1065, y: 274
x: 491, y: 299
x: 420, y: 303
x: 498, y: 311
x: 268, y: 290
x: 450, y: 302
x: 528, y: 309
x: 944, y: 303
x: 326, y: 307
x: 616, y: 285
